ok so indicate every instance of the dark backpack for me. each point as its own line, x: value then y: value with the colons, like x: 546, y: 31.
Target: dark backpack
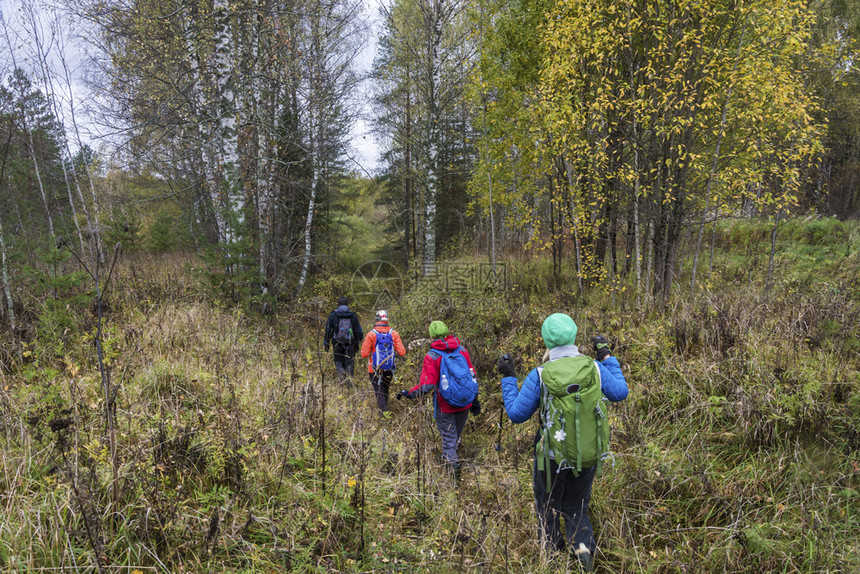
x: 383, y: 354
x: 457, y: 383
x: 343, y: 335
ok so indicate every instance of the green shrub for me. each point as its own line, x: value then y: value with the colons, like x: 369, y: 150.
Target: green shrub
x: 816, y: 231
x: 165, y: 232
x: 125, y: 227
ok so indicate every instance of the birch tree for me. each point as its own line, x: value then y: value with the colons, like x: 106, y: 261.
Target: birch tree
x: 426, y: 55
x: 225, y: 135
x: 21, y: 84
x: 331, y: 50
x: 243, y: 104
x: 40, y: 43
x: 637, y: 98
x: 397, y: 114
x: 4, y: 251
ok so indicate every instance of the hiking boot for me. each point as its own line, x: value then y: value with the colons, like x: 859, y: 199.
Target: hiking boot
x: 454, y: 468
x: 586, y: 560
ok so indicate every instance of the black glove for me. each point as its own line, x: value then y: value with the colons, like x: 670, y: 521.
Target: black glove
x: 325, y: 347
x: 506, y: 366
x: 404, y: 393
x: 476, y: 407
x: 601, y: 347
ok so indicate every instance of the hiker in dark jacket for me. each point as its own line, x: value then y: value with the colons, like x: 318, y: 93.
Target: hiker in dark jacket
x: 380, y: 361
x: 449, y: 419
x: 343, y: 330
x: 567, y: 492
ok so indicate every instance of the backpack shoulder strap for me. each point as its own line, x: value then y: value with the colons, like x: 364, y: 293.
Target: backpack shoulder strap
x: 543, y: 445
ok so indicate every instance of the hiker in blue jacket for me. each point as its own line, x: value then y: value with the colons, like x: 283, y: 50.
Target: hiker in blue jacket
x: 567, y: 492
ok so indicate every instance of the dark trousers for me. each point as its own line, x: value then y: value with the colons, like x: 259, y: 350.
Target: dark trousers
x: 381, y: 381
x: 450, y: 427
x: 567, y: 497
x: 344, y: 359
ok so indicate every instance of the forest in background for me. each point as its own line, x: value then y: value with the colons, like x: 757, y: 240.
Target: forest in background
x: 603, y: 135
x: 678, y: 175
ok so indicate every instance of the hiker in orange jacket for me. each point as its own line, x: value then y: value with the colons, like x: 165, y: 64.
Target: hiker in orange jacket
x: 379, y: 347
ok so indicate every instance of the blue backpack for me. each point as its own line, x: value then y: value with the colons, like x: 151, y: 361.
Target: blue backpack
x: 383, y: 354
x: 457, y: 384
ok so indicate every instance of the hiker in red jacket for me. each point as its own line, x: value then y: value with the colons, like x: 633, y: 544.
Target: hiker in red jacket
x: 449, y: 419
x: 379, y: 347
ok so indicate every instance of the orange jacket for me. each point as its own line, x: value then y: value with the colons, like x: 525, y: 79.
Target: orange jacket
x: 369, y: 344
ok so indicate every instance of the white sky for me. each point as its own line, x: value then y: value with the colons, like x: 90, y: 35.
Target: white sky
x: 19, y: 33
x: 366, y: 152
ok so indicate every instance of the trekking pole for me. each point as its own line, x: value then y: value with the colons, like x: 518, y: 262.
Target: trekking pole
x: 498, y: 444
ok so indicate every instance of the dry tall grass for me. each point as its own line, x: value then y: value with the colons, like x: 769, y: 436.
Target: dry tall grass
x: 735, y: 452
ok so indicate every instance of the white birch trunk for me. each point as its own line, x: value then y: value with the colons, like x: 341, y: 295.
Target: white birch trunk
x: 39, y: 176
x: 80, y: 142
x: 711, y: 258
x: 490, y: 190
x: 29, y: 135
x: 650, y: 257
x: 226, y: 135
x: 637, y: 251
x: 7, y: 290
x: 266, y: 167
x: 78, y: 139
x: 75, y: 212
x: 317, y: 134
x: 429, y: 259
x: 262, y: 161
x: 575, y: 227
x: 47, y: 82
x: 203, y: 142
x: 306, y: 259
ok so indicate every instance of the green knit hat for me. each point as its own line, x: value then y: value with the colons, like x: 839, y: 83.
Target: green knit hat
x: 438, y: 329
x: 558, y: 329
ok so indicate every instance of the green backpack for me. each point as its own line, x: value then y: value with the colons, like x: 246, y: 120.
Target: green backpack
x: 574, y: 423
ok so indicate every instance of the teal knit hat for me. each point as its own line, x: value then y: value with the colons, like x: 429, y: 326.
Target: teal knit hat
x: 438, y: 329
x: 557, y: 330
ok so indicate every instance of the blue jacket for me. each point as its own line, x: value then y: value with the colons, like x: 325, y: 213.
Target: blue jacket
x: 521, y: 403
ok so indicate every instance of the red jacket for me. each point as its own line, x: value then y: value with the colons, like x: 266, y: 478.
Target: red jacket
x: 430, y: 371
x: 369, y: 344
